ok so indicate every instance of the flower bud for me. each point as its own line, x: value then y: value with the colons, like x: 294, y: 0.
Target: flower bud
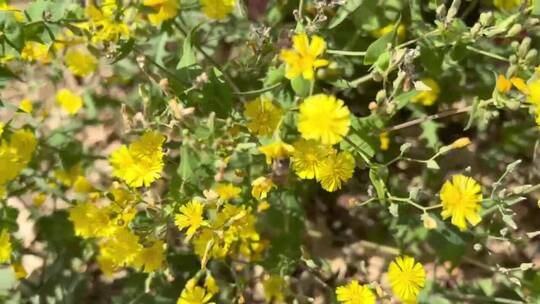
x: 531, y: 56
x: 514, y: 45
x: 524, y: 47
x: 461, y: 143
x: 453, y: 10
x: 429, y: 222
x: 513, y: 59
x: 373, y: 106
x: 381, y: 96
x: 441, y: 11
x: 514, y: 30
x: 486, y: 18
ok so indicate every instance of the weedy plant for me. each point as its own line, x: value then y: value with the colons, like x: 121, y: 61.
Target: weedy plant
x: 269, y: 151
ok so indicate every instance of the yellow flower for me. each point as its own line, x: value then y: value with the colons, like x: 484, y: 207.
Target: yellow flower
x: 210, y: 284
x: 2, y: 126
x: 16, y: 154
x: 324, y: 118
x: 35, y: 51
x: 194, y: 295
x: 19, y: 16
x: 336, y: 169
x: 80, y: 63
x: 150, y: 259
x: 534, y: 92
x: 89, y: 220
x: 69, y: 176
x: 273, y: 289
x: 191, y: 217
x: 260, y: 187
x: 428, y: 98
x: 82, y: 185
x: 166, y: 9
x: 520, y: 84
x: 5, y: 247
x: 355, y: 293
x: 385, y: 141
x: 503, y: 84
x: 307, y: 157
x: 276, y: 151
x: 39, y: 199
x: 104, y: 24
x: 507, y: 5
x: 69, y: 101
x: 400, y: 32
x: 263, y: 116
x: 141, y: 163
x: 26, y: 106
x: 18, y: 269
x: 461, y: 200
x: 217, y: 9
x: 227, y: 191
x: 407, y: 278
x: 302, y: 60
x: 106, y: 265
x: 122, y: 247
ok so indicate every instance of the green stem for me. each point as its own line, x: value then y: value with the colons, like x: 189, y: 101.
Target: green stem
x: 260, y: 91
x: 486, y: 53
x: 345, y: 53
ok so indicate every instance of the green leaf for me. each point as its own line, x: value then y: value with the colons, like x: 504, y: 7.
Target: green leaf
x: 429, y: 133
x: 45, y: 10
x: 217, y: 96
x: 431, y: 164
x: 274, y: 75
x: 344, y: 11
x: 378, y: 175
x: 404, y: 99
x: 378, y: 47
x: 188, y: 54
x: 188, y: 164
x: 301, y: 86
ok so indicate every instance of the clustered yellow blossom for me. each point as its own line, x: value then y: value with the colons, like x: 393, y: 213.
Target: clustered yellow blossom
x: 407, y: 277
x: 217, y: 9
x: 264, y: 117
x: 5, y: 7
x: 80, y: 63
x: 276, y: 151
x: 355, y: 293
x: 274, y: 288
x: 35, y: 51
x: 231, y: 232
x: 15, y: 155
x: 461, y: 200
x: 303, y: 59
x: 194, y: 294
x: 104, y: 23
x: 307, y: 157
x: 141, y: 163
x: 69, y: 101
x: 430, y: 95
x: 227, y: 191
x: 260, y: 187
x: 164, y: 10
x: 118, y: 245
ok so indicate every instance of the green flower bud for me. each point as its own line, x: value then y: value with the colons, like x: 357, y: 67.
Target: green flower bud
x: 524, y: 47
x: 514, y: 30
x: 486, y: 18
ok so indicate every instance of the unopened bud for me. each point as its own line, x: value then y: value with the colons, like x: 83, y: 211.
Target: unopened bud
x: 476, y: 29
x: 373, y: 106
x: 453, y: 10
x: 486, y: 18
x: 381, y: 96
x: 461, y: 142
x: 164, y: 84
x: 514, y: 45
x: 531, y: 56
x: 513, y: 59
x: 376, y: 76
x: 429, y: 222
x: 514, y: 30
x: 441, y: 11
x: 524, y: 47
x: 512, y: 70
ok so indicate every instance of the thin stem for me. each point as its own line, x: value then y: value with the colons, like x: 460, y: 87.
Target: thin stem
x: 361, y: 80
x: 260, y: 91
x: 427, y: 118
x: 345, y: 53
x: 486, y: 53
